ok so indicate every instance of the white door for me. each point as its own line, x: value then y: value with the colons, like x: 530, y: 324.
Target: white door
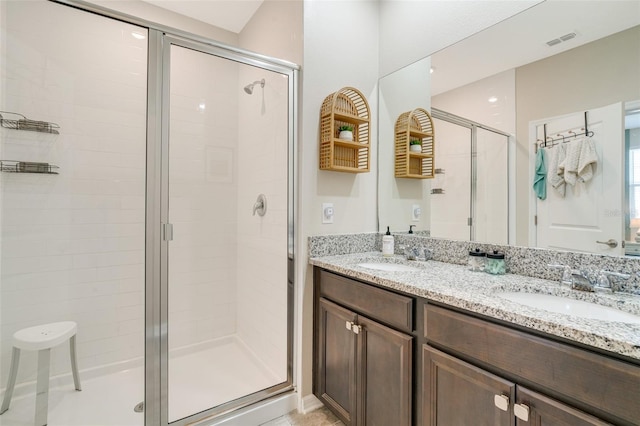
x: 589, y: 211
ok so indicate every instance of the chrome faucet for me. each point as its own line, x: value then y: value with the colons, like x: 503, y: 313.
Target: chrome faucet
x: 606, y: 280
x: 580, y: 281
x: 417, y: 253
x: 566, y: 273
x: 585, y: 281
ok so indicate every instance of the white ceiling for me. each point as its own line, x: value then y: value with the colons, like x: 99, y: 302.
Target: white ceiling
x: 511, y: 43
x: 231, y: 15
x: 522, y: 39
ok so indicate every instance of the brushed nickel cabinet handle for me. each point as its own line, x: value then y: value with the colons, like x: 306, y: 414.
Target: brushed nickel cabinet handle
x: 501, y: 401
x: 521, y: 411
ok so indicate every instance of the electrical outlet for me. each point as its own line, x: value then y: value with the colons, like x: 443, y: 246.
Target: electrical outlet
x: 416, y: 211
x: 327, y: 212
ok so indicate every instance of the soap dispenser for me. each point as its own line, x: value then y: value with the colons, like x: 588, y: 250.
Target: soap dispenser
x: 387, y: 244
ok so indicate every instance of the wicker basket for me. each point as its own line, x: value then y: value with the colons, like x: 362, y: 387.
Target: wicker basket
x: 412, y: 125
x: 346, y: 107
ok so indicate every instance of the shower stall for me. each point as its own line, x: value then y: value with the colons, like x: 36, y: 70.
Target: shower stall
x: 146, y: 194
x: 470, y: 191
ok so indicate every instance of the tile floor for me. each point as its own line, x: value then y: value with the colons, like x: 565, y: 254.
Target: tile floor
x: 320, y: 417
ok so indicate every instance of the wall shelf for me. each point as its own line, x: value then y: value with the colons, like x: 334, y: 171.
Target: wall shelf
x: 412, y: 125
x: 20, y: 122
x: 345, y: 107
x: 11, y: 166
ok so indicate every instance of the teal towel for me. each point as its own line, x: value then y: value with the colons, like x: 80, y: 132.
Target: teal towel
x: 540, y: 177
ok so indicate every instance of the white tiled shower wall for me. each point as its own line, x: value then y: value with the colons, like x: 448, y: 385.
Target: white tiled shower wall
x: 73, y: 243
x: 203, y: 184
x: 262, y: 241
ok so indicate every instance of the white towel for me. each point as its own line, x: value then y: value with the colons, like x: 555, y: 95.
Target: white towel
x: 556, y: 175
x: 588, y: 160
x: 570, y: 163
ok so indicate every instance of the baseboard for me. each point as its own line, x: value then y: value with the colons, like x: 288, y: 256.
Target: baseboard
x: 309, y: 403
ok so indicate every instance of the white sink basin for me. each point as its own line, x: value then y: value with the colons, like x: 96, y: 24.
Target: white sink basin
x: 564, y: 305
x: 394, y: 267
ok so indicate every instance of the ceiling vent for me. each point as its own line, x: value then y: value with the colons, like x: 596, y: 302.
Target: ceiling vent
x: 568, y: 36
x: 560, y: 39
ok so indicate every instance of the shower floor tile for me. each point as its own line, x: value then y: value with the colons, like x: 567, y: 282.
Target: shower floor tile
x: 197, y: 381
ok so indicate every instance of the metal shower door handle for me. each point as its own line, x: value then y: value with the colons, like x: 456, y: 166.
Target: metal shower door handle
x: 260, y: 206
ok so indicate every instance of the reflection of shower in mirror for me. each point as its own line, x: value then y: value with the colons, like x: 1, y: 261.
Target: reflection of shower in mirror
x: 249, y: 87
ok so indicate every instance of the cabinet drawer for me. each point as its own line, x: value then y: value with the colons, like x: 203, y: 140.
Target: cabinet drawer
x: 591, y: 379
x: 384, y: 306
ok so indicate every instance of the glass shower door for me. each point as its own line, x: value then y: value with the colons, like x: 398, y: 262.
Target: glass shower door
x: 470, y: 197
x: 226, y: 251
x: 492, y: 187
x: 451, y: 190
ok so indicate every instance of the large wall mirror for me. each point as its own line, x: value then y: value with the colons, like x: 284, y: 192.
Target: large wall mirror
x: 541, y: 74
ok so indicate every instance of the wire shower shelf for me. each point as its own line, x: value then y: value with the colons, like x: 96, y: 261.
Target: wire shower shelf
x: 27, y: 167
x: 25, y: 123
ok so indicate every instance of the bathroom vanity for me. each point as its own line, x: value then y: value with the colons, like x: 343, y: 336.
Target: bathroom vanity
x: 436, y: 346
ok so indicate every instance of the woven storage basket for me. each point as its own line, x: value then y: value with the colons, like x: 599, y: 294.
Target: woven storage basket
x: 410, y: 125
x: 346, y: 107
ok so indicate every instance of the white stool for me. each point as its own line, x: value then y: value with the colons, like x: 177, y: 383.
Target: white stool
x: 41, y: 338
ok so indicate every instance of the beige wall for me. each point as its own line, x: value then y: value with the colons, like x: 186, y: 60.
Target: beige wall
x: 401, y: 91
x: 593, y: 75
x: 340, y: 49
x: 275, y: 30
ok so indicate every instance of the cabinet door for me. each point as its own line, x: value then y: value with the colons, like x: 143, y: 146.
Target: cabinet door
x: 336, y: 362
x: 544, y: 411
x: 457, y: 393
x: 384, y: 375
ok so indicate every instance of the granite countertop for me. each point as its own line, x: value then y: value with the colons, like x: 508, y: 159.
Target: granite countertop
x: 477, y: 292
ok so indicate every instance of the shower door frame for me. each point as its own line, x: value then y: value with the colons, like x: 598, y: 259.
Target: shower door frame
x: 156, y: 283
x: 164, y: 42
x: 473, y: 126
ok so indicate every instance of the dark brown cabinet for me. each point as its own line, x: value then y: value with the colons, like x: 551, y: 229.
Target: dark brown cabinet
x: 386, y: 358
x: 363, y: 368
x: 384, y: 375
x: 580, y: 387
x: 458, y: 393
x: 336, y: 356
x: 541, y: 410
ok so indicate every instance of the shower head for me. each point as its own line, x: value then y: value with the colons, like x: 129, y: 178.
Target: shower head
x: 249, y: 87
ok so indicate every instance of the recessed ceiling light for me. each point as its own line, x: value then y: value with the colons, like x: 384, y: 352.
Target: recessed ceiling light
x: 431, y: 70
x: 137, y: 35
x: 493, y: 99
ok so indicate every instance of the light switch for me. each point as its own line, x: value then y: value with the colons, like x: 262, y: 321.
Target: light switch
x: 327, y: 212
x: 416, y: 211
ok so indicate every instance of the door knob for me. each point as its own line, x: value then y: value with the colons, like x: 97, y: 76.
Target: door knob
x: 611, y: 243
